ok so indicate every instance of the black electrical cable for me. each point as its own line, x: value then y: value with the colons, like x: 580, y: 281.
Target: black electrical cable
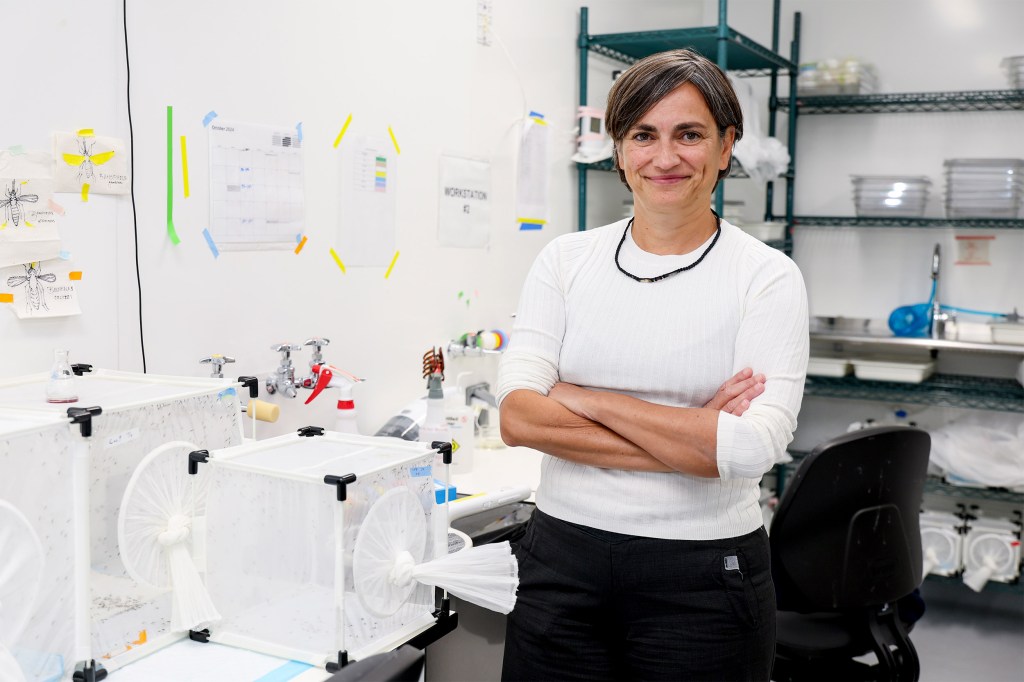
x: 131, y: 175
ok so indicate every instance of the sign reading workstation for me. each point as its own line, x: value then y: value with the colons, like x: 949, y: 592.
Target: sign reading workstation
x: 464, y: 209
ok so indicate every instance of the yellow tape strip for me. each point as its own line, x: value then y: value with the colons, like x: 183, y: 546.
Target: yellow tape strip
x: 86, y: 132
x: 337, y: 140
x: 393, y: 140
x: 539, y: 120
x: 534, y: 221
x: 301, y: 245
x: 85, y: 191
x: 184, y: 165
x: 75, y: 275
x: 392, y: 266
x: 337, y: 260
x: 6, y: 298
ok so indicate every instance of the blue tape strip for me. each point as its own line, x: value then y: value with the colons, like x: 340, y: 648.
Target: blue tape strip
x: 211, y: 243
x: 287, y: 671
x: 226, y: 391
x: 530, y: 226
x: 416, y: 472
x: 209, y: 117
x: 298, y: 237
x: 298, y: 127
x: 534, y: 114
x: 65, y: 255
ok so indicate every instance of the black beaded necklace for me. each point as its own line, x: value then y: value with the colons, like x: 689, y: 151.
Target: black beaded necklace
x: 647, y: 280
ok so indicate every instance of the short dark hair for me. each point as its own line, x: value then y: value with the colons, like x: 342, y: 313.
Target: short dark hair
x: 645, y: 83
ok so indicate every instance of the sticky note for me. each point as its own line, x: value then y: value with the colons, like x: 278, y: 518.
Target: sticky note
x: 75, y: 275
x: 392, y: 266
x: 337, y: 260
x: 337, y: 140
x: 211, y: 243
x: 184, y: 165
x: 393, y: 140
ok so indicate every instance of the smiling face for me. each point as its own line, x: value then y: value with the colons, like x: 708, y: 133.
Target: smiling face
x: 673, y: 154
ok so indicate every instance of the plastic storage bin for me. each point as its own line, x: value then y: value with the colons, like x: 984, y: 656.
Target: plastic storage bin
x: 885, y: 369
x: 1014, y: 68
x: 123, y: 619
x: 984, y: 188
x: 890, y: 195
x: 284, y: 562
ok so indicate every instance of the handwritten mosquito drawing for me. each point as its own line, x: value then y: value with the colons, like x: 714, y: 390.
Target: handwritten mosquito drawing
x: 86, y: 159
x: 36, y: 298
x: 12, y: 204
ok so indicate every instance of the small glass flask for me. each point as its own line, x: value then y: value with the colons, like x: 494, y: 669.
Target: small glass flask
x: 61, y: 387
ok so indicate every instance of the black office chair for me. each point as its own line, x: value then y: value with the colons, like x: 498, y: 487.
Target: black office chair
x: 845, y: 546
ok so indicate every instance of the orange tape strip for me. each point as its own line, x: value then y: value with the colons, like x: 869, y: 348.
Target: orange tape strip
x: 301, y: 244
x: 6, y: 298
x: 75, y: 274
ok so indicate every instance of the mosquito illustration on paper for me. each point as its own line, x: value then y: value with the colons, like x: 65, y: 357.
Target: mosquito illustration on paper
x: 86, y: 160
x: 36, y: 297
x: 12, y: 204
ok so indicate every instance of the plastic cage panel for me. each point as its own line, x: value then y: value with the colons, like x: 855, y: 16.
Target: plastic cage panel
x: 275, y: 531
x: 139, y: 413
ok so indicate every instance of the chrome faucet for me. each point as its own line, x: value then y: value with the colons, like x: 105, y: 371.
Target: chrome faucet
x: 283, y: 378
x: 217, y: 363
x: 938, y: 319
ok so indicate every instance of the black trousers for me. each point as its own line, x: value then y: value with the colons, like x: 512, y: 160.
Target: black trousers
x: 595, y: 605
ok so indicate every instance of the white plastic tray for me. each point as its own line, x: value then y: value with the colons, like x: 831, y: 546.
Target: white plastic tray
x: 829, y: 367
x: 1008, y: 332
x: 905, y: 371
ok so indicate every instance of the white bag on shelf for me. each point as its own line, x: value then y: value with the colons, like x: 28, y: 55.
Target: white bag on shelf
x: 981, y: 449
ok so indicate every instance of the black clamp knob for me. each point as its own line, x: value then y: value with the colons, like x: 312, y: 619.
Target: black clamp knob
x: 310, y: 431
x: 341, y: 482
x: 83, y: 417
x: 194, y: 458
x: 445, y: 448
x: 80, y: 368
x: 251, y: 383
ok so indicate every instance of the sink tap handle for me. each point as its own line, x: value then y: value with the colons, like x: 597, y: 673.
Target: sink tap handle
x: 318, y: 344
x: 217, y: 362
x: 286, y: 350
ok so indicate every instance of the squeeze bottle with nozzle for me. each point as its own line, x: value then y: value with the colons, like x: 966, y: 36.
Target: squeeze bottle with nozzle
x: 434, y: 426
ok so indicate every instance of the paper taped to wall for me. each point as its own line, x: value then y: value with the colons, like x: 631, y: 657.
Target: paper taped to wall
x: 99, y: 162
x: 41, y: 288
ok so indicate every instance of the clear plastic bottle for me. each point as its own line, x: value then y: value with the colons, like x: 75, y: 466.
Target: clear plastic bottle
x: 61, y: 387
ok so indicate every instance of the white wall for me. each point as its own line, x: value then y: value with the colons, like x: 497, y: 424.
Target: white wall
x: 413, y: 65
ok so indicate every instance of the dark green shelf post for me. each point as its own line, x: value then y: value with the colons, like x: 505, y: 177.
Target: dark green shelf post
x: 773, y: 109
x: 723, y: 64
x: 581, y: 170
x: 794, y: 56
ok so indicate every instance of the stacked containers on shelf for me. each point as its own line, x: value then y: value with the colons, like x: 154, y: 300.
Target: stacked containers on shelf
x: 38, y: 627
x: 116, y: 619
x: 1014, y: 67
x: 890, y: 196
x: 984, y: 188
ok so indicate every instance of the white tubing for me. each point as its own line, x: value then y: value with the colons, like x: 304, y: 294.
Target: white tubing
x: 83, y: 598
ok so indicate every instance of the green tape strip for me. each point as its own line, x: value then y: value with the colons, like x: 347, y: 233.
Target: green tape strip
x: 171, y: 233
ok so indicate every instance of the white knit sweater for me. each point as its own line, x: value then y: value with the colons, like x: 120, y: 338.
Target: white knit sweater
x: 672, y: 342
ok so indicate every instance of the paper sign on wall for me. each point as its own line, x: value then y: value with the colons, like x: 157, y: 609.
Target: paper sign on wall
x: 99, y: 162
x: 28, y: 225
x: 40, y: 289
x: 464, y: 209
x: 367, y: 232
x: 532, y: 174
x: 257, y: 187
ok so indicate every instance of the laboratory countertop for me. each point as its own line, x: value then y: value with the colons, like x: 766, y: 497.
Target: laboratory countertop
x: 499, y: 468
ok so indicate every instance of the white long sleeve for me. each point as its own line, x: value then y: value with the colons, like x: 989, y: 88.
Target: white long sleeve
x: 671, y: 342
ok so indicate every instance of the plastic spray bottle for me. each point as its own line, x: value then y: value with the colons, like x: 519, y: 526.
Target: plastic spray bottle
x: 329, y: 376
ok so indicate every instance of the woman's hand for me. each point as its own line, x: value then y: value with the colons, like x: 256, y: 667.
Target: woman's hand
x: 736, y: 393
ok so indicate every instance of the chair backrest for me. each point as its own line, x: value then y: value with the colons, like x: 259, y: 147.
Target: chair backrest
x: 846, y: 534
